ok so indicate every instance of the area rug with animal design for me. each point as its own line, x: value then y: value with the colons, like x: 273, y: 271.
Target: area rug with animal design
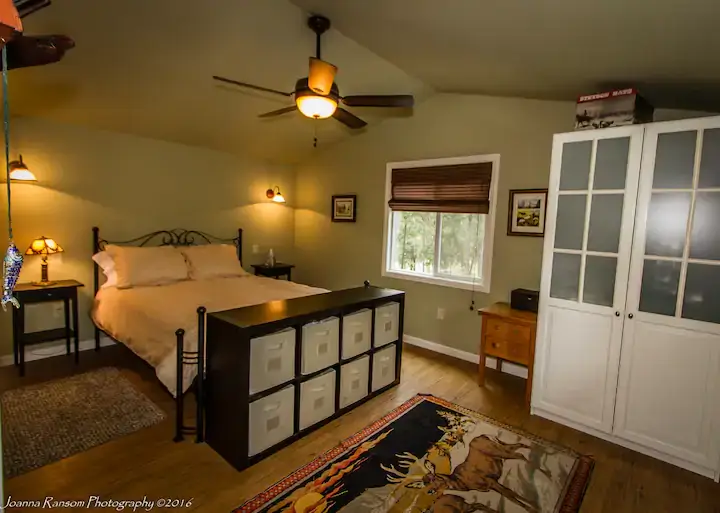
x: 432, y: 455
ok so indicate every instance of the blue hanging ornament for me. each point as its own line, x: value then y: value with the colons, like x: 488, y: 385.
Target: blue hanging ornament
x: 13, y: 258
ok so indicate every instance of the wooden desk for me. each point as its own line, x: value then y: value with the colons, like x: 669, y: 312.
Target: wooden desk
x: 508, y: 335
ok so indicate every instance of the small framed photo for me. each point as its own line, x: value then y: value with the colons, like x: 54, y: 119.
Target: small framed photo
x: 344, y: 208
x: 526, y: 212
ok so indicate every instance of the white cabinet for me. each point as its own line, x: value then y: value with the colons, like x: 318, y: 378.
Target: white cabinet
x: 386, y: 328
x: 383, y: 372
x: 354, y: 381
x: 317, y: 399
x: 628, y: 341
x: 271, y: 420
x: 356, y: 333
x: 320, y: 343
x: 272, y: 360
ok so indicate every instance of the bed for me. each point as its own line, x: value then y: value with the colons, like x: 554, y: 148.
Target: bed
x: 171, y: 339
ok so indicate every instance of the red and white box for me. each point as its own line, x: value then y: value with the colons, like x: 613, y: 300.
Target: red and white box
x: 612, y: 108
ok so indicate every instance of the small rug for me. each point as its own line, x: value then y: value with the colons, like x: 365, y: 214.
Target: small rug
x: 433, y: 455
x: 45, y: 423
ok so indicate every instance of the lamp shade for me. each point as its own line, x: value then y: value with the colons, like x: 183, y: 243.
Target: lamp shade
x: 321, y: 76
x: 44, y: 246
x: 317, y: 107
x: 20, y: 172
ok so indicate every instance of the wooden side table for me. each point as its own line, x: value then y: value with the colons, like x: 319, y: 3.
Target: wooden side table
x: 27, y: 293
x: 274, y: 271
x: 508, y: 335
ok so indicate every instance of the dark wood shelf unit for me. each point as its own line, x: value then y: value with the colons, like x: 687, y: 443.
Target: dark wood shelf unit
x: 227, y: 382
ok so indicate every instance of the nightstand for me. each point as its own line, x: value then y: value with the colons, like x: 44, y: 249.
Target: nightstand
x: 27, y: 293
x: 508, y: 335
x: 274, y: 271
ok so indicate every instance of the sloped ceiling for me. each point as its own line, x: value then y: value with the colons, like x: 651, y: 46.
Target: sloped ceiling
x: 550, y: 49
x: 144, y: 67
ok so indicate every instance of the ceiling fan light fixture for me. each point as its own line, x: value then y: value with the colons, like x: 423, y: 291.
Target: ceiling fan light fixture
x: 316, y: 107
x: 321, y: 76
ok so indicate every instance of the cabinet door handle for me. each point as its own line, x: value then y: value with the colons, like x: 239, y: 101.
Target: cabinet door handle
x: 617, y: 314
x: 630, y: 316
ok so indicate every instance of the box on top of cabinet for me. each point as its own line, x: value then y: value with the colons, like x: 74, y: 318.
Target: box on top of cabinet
x: 612, y: 108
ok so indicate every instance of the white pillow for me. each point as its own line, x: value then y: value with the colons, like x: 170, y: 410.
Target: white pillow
x: 107, y: 264
x: 212, y: 261
x: 136, y: 267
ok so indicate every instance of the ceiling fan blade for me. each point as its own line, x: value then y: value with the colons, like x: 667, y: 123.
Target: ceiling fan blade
x: 321, y: 76
x: 348, y: 119
x: 24, y: 51
x: 389, y: 100
x: 251, y: 86
x: 274, y: 113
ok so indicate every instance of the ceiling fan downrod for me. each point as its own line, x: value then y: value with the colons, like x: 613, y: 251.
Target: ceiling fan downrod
x: 319, y: 25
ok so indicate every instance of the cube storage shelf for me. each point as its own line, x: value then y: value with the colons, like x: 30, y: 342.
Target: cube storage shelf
x: 279, y: 370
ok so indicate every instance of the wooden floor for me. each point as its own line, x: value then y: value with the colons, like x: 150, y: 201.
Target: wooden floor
x: 148, y: 463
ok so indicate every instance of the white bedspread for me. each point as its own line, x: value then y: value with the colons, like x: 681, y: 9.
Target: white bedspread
x: 145, y: 318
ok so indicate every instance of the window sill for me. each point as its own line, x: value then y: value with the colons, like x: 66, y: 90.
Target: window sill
x: 477, y: 286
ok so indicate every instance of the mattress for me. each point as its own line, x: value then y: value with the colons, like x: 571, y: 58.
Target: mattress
x: 145, y: 318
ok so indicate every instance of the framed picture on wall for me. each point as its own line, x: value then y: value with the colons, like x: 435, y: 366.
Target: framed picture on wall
x: 344, y: 208
x: 526, y: 212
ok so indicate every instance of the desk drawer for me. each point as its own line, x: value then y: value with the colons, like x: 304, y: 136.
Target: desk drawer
x: 320, y: 345
x: 499, y: 329
x: 272, y: 360
x: 511, y: 350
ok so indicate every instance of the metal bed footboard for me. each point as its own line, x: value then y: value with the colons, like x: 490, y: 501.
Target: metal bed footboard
x: 183, y: 358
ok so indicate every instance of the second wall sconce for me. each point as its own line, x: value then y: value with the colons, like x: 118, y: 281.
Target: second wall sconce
x: 275, y: 195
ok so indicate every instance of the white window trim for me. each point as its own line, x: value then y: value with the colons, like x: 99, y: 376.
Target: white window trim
x: 481, y: 285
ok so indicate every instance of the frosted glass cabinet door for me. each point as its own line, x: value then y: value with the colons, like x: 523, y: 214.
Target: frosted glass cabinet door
x: 669, y: 376
x: 591, y: 201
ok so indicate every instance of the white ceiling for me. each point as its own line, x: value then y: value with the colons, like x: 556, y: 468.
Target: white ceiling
x: 553, y: 49
x: 144, y: 67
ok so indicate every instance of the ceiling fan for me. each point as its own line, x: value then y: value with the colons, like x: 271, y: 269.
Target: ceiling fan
x: 317, y: 96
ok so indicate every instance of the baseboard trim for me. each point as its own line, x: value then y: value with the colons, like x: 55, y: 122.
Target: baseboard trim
x: 55, y: 348
x: 508, y: 368
x: 673, y: 460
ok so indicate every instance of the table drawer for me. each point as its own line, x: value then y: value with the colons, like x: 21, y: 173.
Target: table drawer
x: 272, y: 360
x: 500, y: 329
x: 511, y: 350
x: 320, y: 342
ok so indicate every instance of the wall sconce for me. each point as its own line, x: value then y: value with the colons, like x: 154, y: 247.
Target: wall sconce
x: 275, y: 195
x: 19, y: 172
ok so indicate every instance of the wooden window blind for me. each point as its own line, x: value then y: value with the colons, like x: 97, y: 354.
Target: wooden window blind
x: 457, y: 189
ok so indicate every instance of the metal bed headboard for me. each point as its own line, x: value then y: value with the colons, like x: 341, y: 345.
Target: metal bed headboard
x: 174, y: 237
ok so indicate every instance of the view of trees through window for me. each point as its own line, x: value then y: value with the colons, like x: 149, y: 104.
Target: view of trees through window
x: 458, y: 252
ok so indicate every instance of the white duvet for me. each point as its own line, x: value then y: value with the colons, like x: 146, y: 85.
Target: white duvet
x: 145, y: 318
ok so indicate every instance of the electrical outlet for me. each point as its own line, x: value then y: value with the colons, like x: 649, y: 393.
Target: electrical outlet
x: 256, y: 249
x: 441, y: 314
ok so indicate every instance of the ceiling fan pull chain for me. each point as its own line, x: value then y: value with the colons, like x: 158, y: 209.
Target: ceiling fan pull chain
x: 315, y: 133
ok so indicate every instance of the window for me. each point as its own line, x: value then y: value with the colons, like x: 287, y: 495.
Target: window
x: 440, y: 218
